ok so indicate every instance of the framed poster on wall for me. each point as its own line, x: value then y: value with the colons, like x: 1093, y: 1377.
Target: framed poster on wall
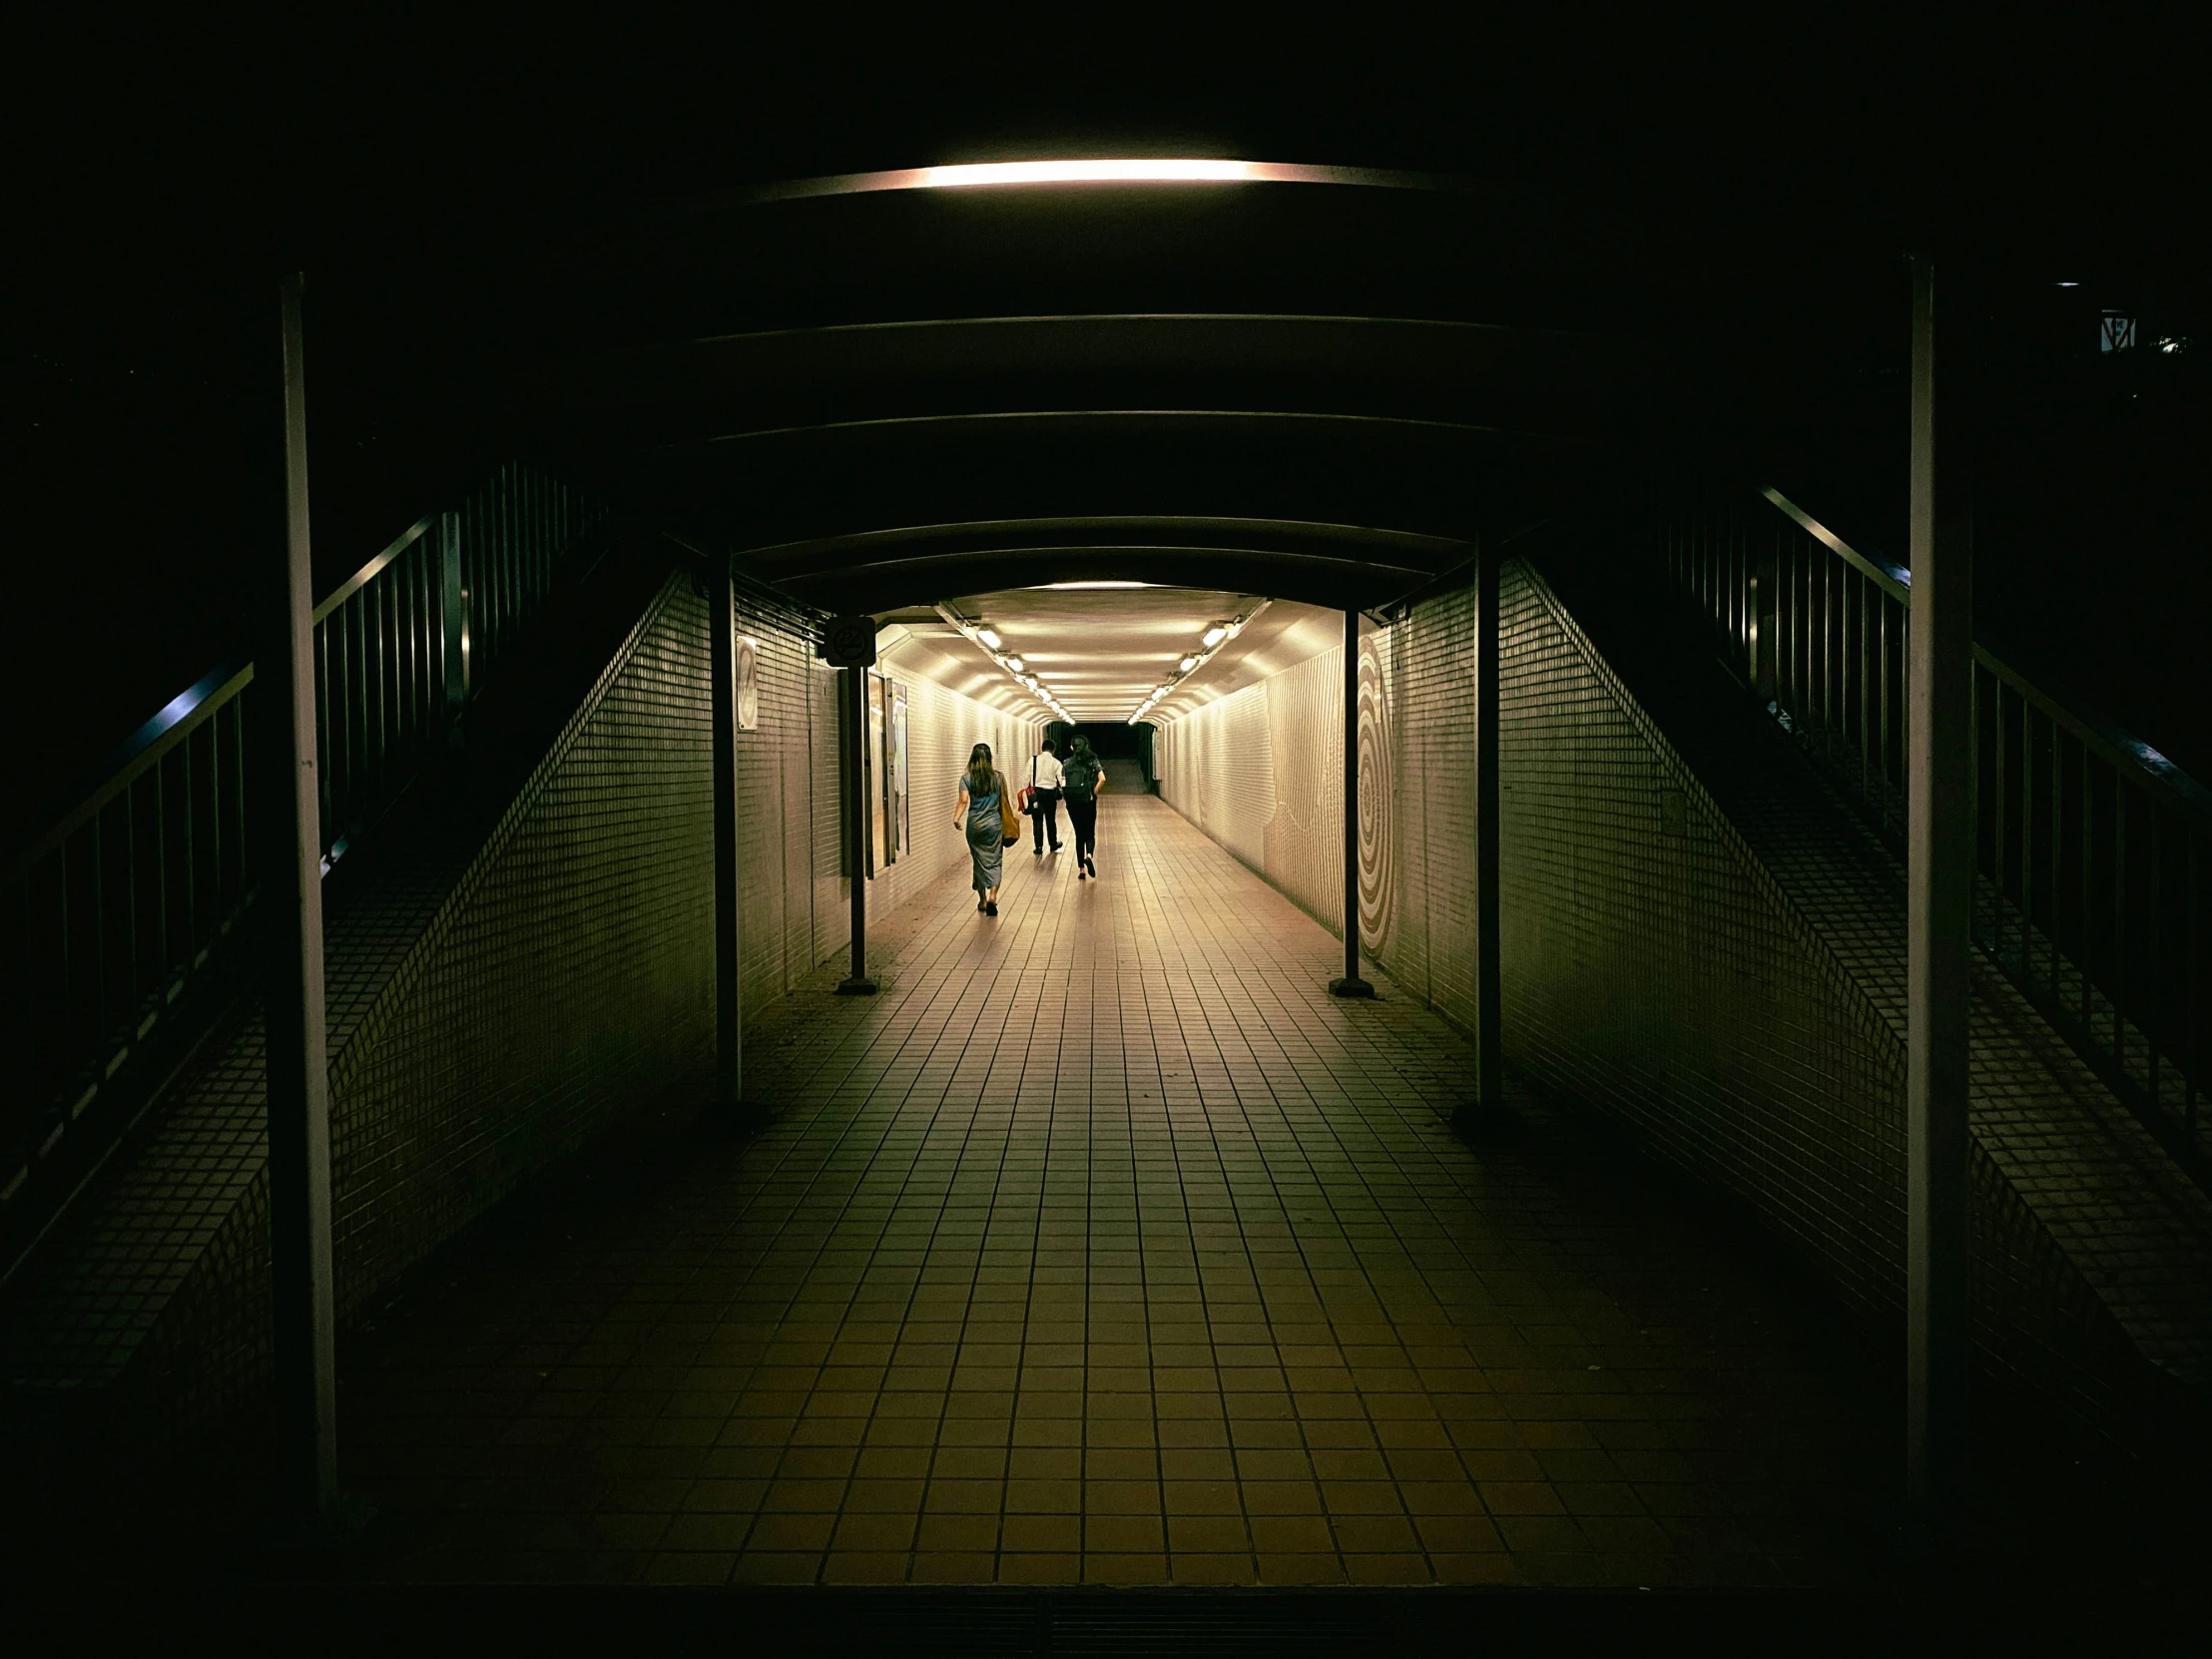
x: 894, y: 771
x: 878, y: 780
x: 749, y: 682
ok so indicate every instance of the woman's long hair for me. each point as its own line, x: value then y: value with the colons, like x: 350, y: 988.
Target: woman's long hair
x: 982, y: 778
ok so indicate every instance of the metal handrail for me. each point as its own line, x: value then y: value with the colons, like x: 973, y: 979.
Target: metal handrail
x: 2091, y: 843
x: 374, y: 568
x: 2081, y: 720
x: 142, y: 750
x: 119, y: 911
x: 1894, y: 580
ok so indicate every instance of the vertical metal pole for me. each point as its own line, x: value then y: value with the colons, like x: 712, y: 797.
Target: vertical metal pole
x: 2027, y: 841
x: 298, y: 1072
x: 856, y: 982
x: 453, y: 605
x: 1939, y: 885
x: 2000, y: 819
x: 2121, y: 980
x: 2192, y: 918
x: 1489, y: 999
x: 721, y: 655
x: 1351, y: 985
x: 1766, y: 630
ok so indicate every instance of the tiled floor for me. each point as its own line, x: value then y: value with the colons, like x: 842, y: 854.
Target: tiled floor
x: 1105, y: 1247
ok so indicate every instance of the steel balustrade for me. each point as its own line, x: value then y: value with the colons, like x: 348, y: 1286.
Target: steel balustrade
x: 2092, y: 846
x: 122, y: 915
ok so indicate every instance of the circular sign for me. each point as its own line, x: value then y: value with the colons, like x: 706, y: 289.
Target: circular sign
x: 849, y: 642
x: 748, y: 685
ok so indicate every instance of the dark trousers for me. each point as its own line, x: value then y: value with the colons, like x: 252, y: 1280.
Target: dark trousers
x: 1083, y: 819
x: 1044, y: 815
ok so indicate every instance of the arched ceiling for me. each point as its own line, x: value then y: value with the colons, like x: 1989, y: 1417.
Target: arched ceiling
x: 1325, y: 391
x: 1103, y: 653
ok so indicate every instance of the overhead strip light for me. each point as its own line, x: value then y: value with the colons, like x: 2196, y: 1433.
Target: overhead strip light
x: 1123, y: 170
x: 1133, y: 172
x: 991, y: 642
x: 1217, y: 634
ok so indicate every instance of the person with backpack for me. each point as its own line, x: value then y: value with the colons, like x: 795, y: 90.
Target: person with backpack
x: 1083, y: 782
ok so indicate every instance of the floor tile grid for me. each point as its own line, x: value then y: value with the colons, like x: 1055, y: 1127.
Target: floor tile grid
x: 1247, y: 1025
x: 952, y: 1470
x: 1109, y: 1493
x: 1328, y: 1396
x: 1104, y: 1319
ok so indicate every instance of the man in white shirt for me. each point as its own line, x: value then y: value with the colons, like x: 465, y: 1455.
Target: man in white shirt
x: 1044, y: 799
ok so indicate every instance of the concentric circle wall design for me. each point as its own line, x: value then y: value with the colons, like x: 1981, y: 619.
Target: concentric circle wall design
x: 1377, y: 768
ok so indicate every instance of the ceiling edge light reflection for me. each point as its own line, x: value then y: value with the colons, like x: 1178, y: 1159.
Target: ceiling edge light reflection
x: 1126, y: 170
x: 988, y: 640
x: 1216, y: 636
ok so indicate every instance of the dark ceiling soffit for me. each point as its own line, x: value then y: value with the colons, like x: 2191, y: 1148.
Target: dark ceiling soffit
x: 1114, y: 554
x: 981, y: 345
x: 1256, y: 535
x: 1333, y: 583
x: 828, y: 335
x: 1470, y: 429
x: 700, y: 560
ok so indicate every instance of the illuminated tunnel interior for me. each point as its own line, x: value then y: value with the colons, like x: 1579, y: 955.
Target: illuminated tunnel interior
x: 718, y: 1193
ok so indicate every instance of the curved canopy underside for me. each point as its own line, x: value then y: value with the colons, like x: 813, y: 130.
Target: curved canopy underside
x: 878, y: 399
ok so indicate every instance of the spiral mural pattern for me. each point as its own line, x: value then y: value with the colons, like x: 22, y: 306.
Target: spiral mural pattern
x: 1377, y: 775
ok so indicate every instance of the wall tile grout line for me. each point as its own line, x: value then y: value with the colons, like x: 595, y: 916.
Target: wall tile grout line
x: 1104, y: 1247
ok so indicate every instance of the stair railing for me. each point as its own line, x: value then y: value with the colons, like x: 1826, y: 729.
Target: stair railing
x: 122, y: 915
x: 2092, y: 846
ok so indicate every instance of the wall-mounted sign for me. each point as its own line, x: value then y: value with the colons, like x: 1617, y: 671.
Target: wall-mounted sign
x: 749, y: 684
x: 849, y: 642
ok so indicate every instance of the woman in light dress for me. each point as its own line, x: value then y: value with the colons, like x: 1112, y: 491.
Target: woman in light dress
x: 985, y: 812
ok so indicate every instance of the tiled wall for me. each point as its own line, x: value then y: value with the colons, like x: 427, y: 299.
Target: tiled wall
x: 566, y: 976
x: 1653, y: 966
x: 571, y: 973
x: 1261, y: 772
x: 1651, y: 963
x: 573, y: 964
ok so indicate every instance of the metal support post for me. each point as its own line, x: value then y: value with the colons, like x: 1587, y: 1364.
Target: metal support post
x: 453, y: 606
x: 856, y: 982
x: 1938, y: 879
x: 721, y: 655
x: 290, y: 903
x: 1351, y: 985
x: 1766, y: 638
x: 1489, y: 1092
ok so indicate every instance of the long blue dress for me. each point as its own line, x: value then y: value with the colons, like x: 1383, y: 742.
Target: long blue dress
x: 987, y: 840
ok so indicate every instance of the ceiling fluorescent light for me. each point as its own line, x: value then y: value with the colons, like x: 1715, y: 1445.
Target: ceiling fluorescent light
x: 1139, y: 170
x: 1214, y: 635
x: 1187, y: 664
x: 989, y: 637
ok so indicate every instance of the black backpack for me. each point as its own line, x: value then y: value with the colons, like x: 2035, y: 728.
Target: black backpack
x: 1079, y: 777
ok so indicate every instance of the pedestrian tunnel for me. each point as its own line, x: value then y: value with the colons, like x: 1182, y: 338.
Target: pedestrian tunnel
x: 1489, y: 779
